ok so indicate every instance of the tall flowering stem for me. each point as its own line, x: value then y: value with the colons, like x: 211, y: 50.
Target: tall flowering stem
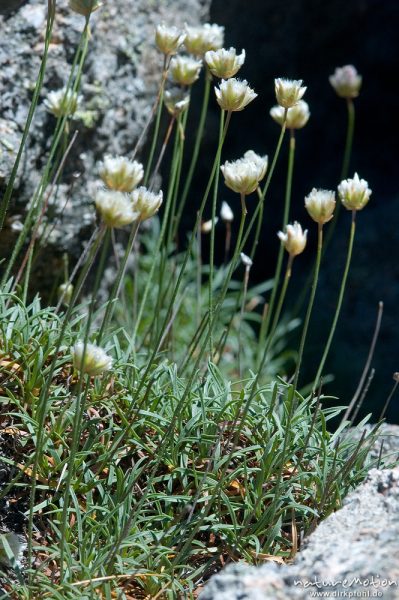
x: 213, y: 220
x: 310, y: 303
x: 197, y: 145
x: 287, y: 203
x: 340, y: 300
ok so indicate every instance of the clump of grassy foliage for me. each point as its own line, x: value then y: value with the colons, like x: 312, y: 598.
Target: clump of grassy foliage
x: 198, y: 446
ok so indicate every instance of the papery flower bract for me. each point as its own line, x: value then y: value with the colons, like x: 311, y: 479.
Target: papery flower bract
x: 176, y: 101
x: 84, y: 7
x: 346, y: 81
x: 297, y: 116
x: 206, y: 226
x: 246, y: 260
x: 226, y: 213
x: 294, y: 239
x: 320, y: 205
x: 224, y: 63
x: 288, y: 91
x: 243, y: 175
x: 65, y: 291
x: 115, y: 208
x: 203, y: 38
x: 94, y: 361
x: 168, y: 39
x: 120, y: 173
x: 146, y: 203
x: 234, y: 95
x: 185, y: 70
x: 62, y: 103
x: 354, y: 193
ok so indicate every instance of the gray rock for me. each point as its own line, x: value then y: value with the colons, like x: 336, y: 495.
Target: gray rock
x: 119, y: 84
x: 355, y: 550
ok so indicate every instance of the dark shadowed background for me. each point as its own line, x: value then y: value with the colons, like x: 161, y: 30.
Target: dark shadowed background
x: 307, y: 39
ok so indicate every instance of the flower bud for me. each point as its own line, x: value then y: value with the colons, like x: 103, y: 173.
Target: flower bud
x: 288, y: 91
x: 94, y: 361
x: 176, y: 101
x: 243, y: 175
x: 346, y: 81
x: 121, y: 174
x: 146, y: 203
x: 65, y: 291
x: 297, y: 116
x: 294, y: 239
x: 203, y: 38
x: 168, y: 39
x: 185, y: 70
x: 226, y: 213
x: 115, y: 208
x: 62, y: 103
x: 320, y: 205
x: 84, y: 7
x: 354, y: 193
x: 234, y: 95
x: 246, y: 260
x: 206, y: 226
x: 224, y: 63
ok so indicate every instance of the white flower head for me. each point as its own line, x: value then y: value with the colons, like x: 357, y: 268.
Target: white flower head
x: 185, y: 70
x: 243, y: 175
x: 288, y: 91
x: 224, y: 63
x: 354, y: 193
x: 176, y: 101
x: 246, y: 260
x: 92, y: 360
x: 234, y: 95
x: 65, y: 291
x: 346, y: 81
x: 297, y: 116
x: 169, y: 39
x: 62, y: 103
x: 320, y: 205
x: 294, y: 239
x: 226, y: 214
x: 146, y: 203
x: 84, y: 7
x: 206, y: 226
x: 115, y: 208
x: 120, y: 173
x: 203, y: 38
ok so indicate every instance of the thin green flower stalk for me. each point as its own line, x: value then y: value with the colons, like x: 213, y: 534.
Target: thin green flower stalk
x: 354, y: 195
x: 247, y: 262
x: 39, y: 84
x: 287, y: 203
x: 320, y: 205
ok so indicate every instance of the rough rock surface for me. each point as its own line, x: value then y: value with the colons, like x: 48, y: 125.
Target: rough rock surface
x: 119, y: 84
x: 355, y: 550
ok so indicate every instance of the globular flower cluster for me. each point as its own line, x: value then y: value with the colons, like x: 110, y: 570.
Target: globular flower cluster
x: 320, y: 205
x: 224, y: 63
x: 297, y: 116
x: 121, y: 174
x: 84, y: 7
x: 243, y: 175
x: 168, y: 39
x: 346, y: 81
x: 354, y: 193
x: 146, y: 203
x: 62, y: 103
x: 234, y: 95
x: 294, y: 239
x: 91, y: 359
x: 288, y: 91
x: 185, y: 70
x: 115, y: 208
x: 200, y: 40
x: 176, y: 101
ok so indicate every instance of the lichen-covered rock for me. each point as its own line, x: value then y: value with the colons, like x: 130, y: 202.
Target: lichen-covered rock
x: 119, y: 84
x: 355, y: 550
